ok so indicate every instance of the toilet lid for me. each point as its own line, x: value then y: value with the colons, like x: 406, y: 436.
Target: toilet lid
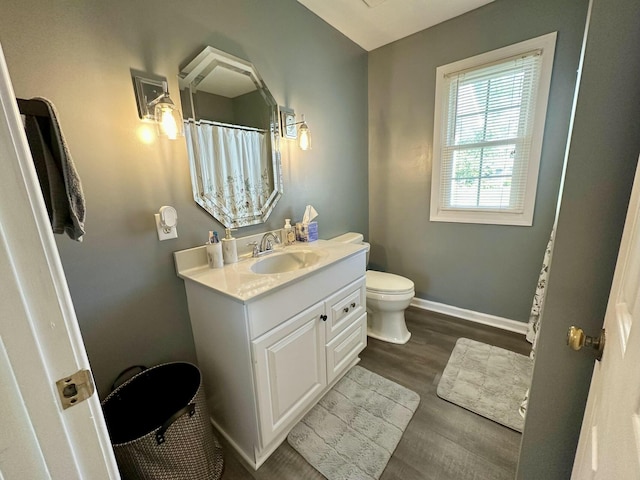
x: 381, y: 282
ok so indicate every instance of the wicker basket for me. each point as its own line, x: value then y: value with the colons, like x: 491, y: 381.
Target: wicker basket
x: 159, y: 426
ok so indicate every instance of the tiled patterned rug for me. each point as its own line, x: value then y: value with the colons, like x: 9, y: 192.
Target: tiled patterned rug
x: 352, y: 432
x: 487, y: 380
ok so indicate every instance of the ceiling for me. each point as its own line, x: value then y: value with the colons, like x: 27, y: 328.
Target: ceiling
x: 373, y: 23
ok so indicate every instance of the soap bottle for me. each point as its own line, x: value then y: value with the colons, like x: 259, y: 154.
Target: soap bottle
x: 229, y: 248
x: 289, y: 234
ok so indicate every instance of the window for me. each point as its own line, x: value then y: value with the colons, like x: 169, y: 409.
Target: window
x: 488, y: 126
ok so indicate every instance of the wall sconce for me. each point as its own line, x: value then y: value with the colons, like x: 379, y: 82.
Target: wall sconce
x: 155, y: 104
x: 290, y: 130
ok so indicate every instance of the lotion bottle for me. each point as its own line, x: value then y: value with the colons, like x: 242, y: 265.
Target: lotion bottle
x: 229, y: 248
x: 289, y: 234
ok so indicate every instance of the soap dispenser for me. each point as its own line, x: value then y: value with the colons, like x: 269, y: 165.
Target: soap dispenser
x: 289, y: 234
x: 229, y: 248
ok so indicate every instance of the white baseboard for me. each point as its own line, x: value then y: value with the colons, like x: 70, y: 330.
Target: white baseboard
x: 470, y: 315
x: 250, y: 461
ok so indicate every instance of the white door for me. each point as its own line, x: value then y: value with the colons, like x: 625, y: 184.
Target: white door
x: 40, y: 342
x: 609, y: 445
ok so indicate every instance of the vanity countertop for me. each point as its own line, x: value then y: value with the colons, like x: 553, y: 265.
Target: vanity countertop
x: 239, y: 282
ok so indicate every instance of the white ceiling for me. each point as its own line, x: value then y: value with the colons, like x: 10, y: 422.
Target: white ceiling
x: 373, y: 23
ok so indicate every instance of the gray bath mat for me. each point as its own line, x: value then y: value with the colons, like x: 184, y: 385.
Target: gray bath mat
x: 354, y: 429
x: 487, y: 380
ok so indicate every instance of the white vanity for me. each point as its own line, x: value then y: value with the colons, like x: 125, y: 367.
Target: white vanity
x: 269, y: 345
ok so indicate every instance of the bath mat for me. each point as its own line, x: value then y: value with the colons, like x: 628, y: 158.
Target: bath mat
x: 352, y: 432
x: 487, y: 380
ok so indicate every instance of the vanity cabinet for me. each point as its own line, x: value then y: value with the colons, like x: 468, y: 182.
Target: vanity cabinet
x: 267, y: 360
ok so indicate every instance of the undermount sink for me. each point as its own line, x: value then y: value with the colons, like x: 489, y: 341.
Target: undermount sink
x: 286, y: 262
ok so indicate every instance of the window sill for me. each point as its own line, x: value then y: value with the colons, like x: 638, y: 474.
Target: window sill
x: 487, y: 218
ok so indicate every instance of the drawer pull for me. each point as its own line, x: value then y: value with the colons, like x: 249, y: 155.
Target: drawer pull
x: 346, y: 309
x: 323, y: 318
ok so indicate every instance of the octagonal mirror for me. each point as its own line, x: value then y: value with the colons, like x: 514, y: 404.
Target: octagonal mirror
x: 231, y: 129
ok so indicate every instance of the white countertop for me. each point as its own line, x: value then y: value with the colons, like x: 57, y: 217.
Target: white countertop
x: 238, y: 281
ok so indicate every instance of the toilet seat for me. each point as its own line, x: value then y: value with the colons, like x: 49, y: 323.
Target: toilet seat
x: 388, y: 283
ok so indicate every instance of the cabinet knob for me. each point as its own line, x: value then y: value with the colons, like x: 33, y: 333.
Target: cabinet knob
x: 346, y: 309
x: 353, y: 305
x: 323, y: 318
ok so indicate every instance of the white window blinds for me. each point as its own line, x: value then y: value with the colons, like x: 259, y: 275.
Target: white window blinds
x: 486, y: 131
x: 488, y: 135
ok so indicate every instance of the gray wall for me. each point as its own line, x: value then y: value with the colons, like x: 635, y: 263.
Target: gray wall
x: 130, y: 305
x: 603, y: 154
x: 453, y: 263
x: 207, y: 106
x: 249, y: 110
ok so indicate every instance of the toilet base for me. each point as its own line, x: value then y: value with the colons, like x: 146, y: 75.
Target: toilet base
x: 388, y: 326
x: 398, y: 341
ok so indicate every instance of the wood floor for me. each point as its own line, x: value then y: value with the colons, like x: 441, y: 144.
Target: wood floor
x: 442, y: 441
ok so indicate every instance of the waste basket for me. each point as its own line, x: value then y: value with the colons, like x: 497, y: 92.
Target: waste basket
x: 159, y: 426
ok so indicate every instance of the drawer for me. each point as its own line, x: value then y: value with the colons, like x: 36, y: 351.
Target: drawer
x: 344, y: 349
x: 344, y: 306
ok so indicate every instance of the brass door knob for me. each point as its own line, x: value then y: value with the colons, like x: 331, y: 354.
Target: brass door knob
x: 576, y: 339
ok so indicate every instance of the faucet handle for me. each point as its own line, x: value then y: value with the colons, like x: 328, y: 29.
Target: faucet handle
x: 256, y: 250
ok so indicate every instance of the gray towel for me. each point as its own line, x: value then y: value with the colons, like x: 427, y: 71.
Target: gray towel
x: 59, y: 180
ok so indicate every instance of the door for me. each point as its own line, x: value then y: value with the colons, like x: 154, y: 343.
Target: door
x: 609, y: 445
x: 290, y: 370
x: 39, y: 337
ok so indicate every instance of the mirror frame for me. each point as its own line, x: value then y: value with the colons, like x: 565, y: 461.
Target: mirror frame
x: 189, y: 78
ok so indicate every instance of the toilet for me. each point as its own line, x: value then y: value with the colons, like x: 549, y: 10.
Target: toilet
x: 388, y: 296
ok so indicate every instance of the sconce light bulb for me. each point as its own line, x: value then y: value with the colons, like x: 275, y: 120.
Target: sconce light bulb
x: 168, y: 119
x: 304, y: 137
x: 168, y: 124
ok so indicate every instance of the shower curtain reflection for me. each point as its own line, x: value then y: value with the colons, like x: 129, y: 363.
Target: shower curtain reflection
x: 234, y: 166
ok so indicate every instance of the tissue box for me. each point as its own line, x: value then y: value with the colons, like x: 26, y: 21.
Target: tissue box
x: 307, y: 232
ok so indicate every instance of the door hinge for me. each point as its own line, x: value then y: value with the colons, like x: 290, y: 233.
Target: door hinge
x: 75, y: 388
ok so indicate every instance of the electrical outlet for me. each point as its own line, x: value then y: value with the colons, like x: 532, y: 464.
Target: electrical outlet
x: 162, y: 235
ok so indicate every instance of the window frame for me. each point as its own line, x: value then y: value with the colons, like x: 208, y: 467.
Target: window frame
x: 546, y: 44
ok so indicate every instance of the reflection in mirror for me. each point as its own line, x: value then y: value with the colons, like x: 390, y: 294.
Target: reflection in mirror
x: 231, y: 129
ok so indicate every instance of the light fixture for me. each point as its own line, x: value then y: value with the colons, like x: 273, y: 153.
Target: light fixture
x: 304, y: 136
x: 290, y: 130
x: 155, y: 104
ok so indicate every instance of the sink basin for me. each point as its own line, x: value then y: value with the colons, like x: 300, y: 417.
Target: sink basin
x: 286, y: 262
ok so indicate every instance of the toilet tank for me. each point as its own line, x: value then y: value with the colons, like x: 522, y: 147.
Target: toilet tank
x: 352, y: 237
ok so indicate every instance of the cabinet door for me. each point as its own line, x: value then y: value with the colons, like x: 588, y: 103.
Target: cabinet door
x: 290, y: 370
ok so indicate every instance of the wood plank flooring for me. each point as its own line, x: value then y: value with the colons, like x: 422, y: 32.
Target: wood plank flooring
x: 442, y: 441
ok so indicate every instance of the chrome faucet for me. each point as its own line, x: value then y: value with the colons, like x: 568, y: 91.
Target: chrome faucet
x: 266, y: 244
